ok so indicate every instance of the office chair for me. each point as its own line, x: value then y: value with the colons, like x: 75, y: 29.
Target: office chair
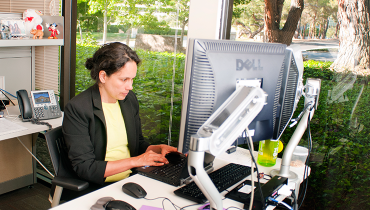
x: 64, y: 177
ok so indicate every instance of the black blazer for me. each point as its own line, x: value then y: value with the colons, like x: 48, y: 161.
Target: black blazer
x: 85, y: 136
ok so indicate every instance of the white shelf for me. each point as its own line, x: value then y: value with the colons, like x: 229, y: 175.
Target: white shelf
x: 30, y: 42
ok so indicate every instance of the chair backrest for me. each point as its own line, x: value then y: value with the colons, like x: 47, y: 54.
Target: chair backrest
x: 59, y: 158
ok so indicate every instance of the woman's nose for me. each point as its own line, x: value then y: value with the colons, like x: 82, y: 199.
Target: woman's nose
x: 129, y: 85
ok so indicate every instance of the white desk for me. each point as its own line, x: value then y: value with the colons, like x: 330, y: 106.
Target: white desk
x: 157, y: 189
x: 17, y: 167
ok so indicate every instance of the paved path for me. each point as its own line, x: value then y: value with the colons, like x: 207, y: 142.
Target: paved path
x: 304, y: 45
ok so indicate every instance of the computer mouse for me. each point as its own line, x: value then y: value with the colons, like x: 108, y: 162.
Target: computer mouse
x: 118, y: 205
x: 174, y: 157
x: 134, y: 190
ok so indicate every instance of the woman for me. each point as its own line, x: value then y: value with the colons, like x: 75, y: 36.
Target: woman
x: 101, y: 125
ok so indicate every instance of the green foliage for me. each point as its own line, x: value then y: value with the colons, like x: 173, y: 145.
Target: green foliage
x: 239, y: 7
x: 88, y: 39
x: 116, y: 28
x: 248, y: 17
x: 152, y: 23
x: 159, y: 31
x: 340, y: 161
x: 87, y: 22
x: 83, y: 79
x: 317, y: 69
x: 153, y: 85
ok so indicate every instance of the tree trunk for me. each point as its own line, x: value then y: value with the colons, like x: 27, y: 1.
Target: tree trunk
x: 336, y: 30
x: 296, y: 33
x: 182, y: 33
x: 354, y: 40
x: 320, y: 31
x: 273, y: 12
x: 79, y: 29
x: 128, y: 33
x: 323, y: 36
x: 304, y: 31
x: 260, y: 28
x: 105, y: 23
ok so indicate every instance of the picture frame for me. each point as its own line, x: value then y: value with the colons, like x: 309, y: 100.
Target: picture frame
x: 16, y: 27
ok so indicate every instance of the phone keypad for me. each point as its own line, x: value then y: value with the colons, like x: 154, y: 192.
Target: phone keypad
x: 53, y: 112
x: 39, y: 112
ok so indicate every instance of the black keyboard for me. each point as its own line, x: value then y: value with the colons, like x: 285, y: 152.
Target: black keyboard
x: 222, y: 178
x: 170, y: 171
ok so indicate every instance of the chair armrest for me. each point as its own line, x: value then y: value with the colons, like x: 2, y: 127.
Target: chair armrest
x: 70, y: 183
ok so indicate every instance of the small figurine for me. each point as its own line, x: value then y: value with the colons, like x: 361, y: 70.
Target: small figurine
x: 53, y: 29
x: 5, y: 32
x: 38, y: 32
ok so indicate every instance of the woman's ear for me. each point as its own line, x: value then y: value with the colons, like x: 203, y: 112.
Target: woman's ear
x: 102, y: 76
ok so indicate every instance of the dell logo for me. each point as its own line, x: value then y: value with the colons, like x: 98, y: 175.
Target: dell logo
x: 248, y: 64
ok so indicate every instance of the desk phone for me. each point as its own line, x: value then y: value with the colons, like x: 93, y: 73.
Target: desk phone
x: 44, y: 105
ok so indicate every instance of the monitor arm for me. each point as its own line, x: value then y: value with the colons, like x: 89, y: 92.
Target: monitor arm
x: 311, y: 94
x: 217, y: 134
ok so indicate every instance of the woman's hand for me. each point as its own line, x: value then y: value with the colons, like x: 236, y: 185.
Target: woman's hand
x: 167, y: 149
x: 149, y: 158
x: 161, y: 149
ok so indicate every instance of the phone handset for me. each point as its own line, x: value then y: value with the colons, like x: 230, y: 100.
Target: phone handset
x: 24, y: 104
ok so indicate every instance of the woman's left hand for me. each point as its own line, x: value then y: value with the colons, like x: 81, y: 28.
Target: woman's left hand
x: 162, y: 149
x: 167, y: 149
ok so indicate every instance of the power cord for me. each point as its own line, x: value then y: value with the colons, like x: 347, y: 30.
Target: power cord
x: 174, y: 205
x: 305, y: 175
x: 280, y: 202
x: 35, y: 157
x: 3, y: 91
x: 164, y: 199
x: 250, y: 145
x: 294, y: 199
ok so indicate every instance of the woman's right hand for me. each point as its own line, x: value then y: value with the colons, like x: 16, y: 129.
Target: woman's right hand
x: 150, y: 158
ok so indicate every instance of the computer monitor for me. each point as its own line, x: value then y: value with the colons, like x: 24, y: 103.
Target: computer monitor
x: 213, y: 70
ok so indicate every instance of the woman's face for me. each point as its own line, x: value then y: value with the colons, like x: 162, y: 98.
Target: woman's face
x: 116, y: 86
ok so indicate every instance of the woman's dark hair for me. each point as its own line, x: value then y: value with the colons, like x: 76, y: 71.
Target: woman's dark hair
x: 110, y: 58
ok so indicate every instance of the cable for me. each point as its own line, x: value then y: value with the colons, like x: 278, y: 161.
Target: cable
x: 189, y: 206
x: 233, y: 207
x: 294, y: 199
x: 38, y: 122
x: 305, y: 175
x: 7, y: 111
x: 280, y: 202
x: 254, y: 161
x: 250, y: 146
x: 8, y: 99
x: 35, y: 158
x: 6, y: 96
x: 4, y: 106
x: 174, y: 205
x: 164, y: 198
x: 8, y: 93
